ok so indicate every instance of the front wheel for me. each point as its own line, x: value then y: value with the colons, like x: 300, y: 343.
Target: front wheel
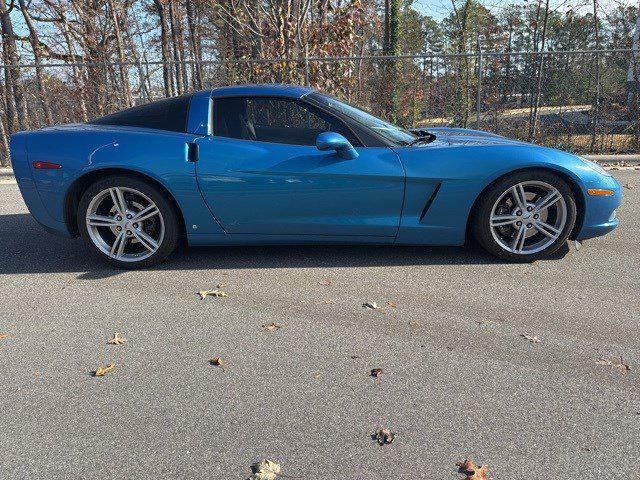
x: 128, y: 222
x: 525, y: 216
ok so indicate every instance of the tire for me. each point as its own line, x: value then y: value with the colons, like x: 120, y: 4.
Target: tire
x: 142, y: 236
x: 520, y: 230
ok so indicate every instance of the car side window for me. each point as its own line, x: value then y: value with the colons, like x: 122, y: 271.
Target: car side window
x: 274, y: 120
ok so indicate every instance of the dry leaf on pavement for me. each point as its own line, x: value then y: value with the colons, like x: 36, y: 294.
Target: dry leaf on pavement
x: 473, y: 471
x: 102, y: 371
x: 620, y: 366
x: 3, y: 336
x: 272, y: 326
x: 117, y: 340
x: 326, y: 282
x: 265, y: 470
x: 384, y: 436
x: 371, y: 306
x: 211, y: 293
x: 533, y: 339
x: 221, y: 285
x: 218, y: 362
x: 376, y: 372
x: 392, y: 304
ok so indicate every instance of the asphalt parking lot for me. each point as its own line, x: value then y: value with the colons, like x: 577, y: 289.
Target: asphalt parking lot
x: 458, y: 378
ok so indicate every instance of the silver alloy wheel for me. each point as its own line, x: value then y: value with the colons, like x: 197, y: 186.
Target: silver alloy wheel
x: 528, y: 217
x: 125, y: 224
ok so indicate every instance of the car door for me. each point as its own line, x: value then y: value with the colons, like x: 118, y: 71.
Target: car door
x: 260, y: 173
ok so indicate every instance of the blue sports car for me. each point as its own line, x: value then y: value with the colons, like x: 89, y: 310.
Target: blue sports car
x: 278, y: 164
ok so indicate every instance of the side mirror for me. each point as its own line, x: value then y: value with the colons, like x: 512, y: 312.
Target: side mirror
x: 335, y: 141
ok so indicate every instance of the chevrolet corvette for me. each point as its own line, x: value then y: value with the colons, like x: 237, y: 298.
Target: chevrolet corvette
x: 282, y: 164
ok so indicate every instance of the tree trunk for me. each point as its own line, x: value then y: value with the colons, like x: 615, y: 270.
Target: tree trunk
x: 78, y: 77
x: 12, y: 73
x: 195, y: 43
x: 165, y: 47
x: 596, y: 100
x: 176, y: 41
x: 34, y: 40
x: 533, y: 126
x: 122, y: 69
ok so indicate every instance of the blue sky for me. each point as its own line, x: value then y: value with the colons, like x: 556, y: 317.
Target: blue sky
x: 441, y: 8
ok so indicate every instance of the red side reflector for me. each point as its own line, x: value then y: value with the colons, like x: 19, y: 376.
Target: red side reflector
x: 46, y: 165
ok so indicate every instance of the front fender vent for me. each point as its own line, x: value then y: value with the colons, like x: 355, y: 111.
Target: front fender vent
x: 430, y: 201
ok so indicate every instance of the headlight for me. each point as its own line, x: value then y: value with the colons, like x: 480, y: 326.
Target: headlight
x: 596, y: 167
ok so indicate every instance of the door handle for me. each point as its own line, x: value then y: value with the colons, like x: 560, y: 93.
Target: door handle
x: 193, y: 152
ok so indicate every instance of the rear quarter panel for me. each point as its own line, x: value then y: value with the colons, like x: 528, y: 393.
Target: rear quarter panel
x: 83, y: 149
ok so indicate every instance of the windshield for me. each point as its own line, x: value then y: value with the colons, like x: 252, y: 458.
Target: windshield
x: 393, y: 133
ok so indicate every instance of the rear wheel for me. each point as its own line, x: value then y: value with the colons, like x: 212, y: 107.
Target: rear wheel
x: 128, y: 222
x: 525, y: 216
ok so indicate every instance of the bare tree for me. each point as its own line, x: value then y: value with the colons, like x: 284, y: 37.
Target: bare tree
x: 533, y: 124
x: 596, y: 100
x: 16, y: 109
x: 118, y: 24
x: 37, y: 49
x: 161, y: 10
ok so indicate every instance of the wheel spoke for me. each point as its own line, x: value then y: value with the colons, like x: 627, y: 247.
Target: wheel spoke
x: 146, y: 241
x: 546, y: 201
x: 518, y: 241
x: 117, y: 249
x: 118, y: 200
x: 146, y: 213
x: 517, y: 191
x: 96, y: 220
x: 499, y: 220
x: 546, y: 229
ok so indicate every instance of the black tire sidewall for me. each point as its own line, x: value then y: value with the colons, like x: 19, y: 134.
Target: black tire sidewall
x: 482, y: 230
x: 169, y: 215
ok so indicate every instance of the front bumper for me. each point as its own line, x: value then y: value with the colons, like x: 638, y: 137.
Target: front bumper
x: 600, y: 215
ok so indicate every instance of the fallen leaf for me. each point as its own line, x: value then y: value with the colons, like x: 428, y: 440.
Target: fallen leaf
x: 102, y: 371
x: 117, y: 340
x: 620, y: 366
x: 211, y: 293
x: 473, y: 471
x: 272, y: 326
x: 384, y: 436
x: 628, y: 186
x: 221, y: 285
x: 3, y: 336
x: 371, y: 306
x: 533, y: 339
x: 326, y: 282
x: 265, y: 470
x: 392, y: 304
x: 217, y: 362
x: 327, y: 302
x: 376, y: 372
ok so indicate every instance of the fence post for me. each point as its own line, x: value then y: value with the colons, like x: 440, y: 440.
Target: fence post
x: 479, y: 87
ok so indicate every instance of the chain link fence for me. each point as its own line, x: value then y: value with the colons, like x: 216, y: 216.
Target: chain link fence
x: 582, y: 101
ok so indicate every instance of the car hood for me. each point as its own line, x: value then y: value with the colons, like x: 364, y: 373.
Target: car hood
x: 460, y: 137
